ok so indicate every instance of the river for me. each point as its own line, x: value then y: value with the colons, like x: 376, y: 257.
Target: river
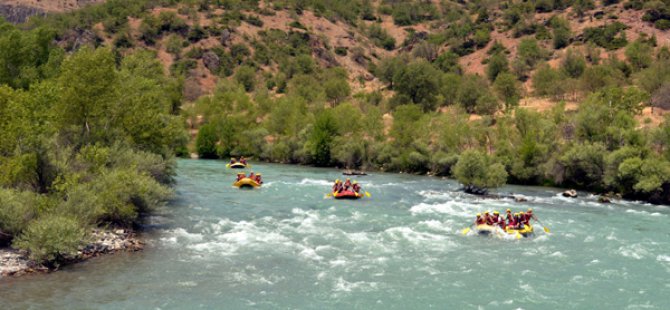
x: 285, y: 245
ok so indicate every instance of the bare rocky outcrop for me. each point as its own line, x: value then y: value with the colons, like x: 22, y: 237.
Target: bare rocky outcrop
x: 14, y: 262
x: 17, y: 13
x: 211, y: 61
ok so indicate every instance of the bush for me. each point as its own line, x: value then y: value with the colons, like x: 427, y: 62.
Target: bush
x: 381, y: 37
x: 206, y: 141
x: 639, y: 54
x: 610, y: 36
x: 476, y: 172
x: 246, y: 76
x: 507, y: 88
x: 52, y: 238
x: 662, y: 24
x: 497, y: 65
x: 573, y: 64
x: 16, y: 211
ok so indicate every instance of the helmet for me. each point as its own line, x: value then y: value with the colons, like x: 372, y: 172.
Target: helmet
x: 487, y: 212
x: 515, y: 214
x: 479, y: 214
x: 239, y: 173
x: 530, y: 210
x: 496, y: 212
x: 258, y: 174
x: 337, y: 181
x: 521, y: 212
x: 355, y: 182
x: 508, y: 210
x: 348, y: 179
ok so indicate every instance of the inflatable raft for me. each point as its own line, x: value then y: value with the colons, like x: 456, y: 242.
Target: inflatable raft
x: 526, y: 231
x: 246, y: 183
x: 485, y: 230
x: 347, y: 195
x: 236, y: 166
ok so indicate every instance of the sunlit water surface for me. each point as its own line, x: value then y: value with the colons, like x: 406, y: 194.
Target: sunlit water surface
x: 287, y: 246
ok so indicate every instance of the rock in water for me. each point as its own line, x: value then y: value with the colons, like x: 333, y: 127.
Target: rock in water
x: 571, y: 193
x: 604, y: 199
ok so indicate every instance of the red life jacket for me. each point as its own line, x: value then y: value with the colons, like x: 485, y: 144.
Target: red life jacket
x: 479, y: 221
x: 489, y: 220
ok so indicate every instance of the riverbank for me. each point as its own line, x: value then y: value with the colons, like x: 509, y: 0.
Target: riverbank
x: 16, y: 263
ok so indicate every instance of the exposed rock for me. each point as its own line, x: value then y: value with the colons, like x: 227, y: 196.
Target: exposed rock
x: 211, y: 61
x: 14, y: 262
x: 571, y: 193
x: 226, y: 37
x: 604, y: 199
x: 17, y: 13
x: 520, y: 199
x: 74, y: 39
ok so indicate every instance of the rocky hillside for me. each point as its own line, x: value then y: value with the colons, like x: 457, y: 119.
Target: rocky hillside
x: 193, y: 36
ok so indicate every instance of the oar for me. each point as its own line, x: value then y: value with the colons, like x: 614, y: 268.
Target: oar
x: 367, y: 194
x: 467, y: 230
x: 543, y: 227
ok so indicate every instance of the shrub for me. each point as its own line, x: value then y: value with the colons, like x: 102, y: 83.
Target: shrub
x: 497, y: 65
x: 16, y: 211
x: 246, y: 76
x: 662, y: 24
x: 573, y: 64
x: 476, y: 172
x: 51, y: 239
x: 639, y: 54
x: 206, y: 141
x: 507, y: 88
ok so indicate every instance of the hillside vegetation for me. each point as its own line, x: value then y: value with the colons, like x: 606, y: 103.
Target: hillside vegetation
x: 565, y: 93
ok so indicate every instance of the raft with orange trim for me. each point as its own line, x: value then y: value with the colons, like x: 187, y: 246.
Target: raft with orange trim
x: 347, y: 195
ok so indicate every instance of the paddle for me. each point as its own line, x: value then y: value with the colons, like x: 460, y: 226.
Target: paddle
x: 467, y: 230
x: 367, y: 194
x: 543, y: 227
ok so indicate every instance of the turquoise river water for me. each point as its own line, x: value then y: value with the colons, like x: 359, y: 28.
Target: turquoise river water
x: 287, y: 246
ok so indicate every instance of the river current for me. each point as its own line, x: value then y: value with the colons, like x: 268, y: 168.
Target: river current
x: 286, y: 245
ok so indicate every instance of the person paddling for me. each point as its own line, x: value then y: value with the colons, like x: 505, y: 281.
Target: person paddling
x: 498, y: 220
x: 336, y: 186
x: 243, y: 160
x: 252, y: 175
x: 233, y: 160
x: 259, y: 179
x: 530, y: 215
x: 347, y: 184
x: 240, y: 176
x: 479, y: 220
x: 356, y: 187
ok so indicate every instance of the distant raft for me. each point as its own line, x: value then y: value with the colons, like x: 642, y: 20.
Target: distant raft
x: 236, y: 165
x: 347, y: 195
x: 246, y: 183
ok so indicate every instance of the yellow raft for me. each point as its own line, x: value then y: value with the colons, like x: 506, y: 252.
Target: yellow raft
x: 486, y: 230
x: 237, y: 165
x: 246, y: 183
x: 526, y: 231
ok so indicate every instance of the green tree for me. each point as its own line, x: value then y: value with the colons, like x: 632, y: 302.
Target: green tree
x: 573, y: 64
x: 508, y: 90
x: 419, y: 82
x: 477, y: 173
x: 322, y: 137
x: 246, y: 76
x: 497, y: 64
x: 206, y: 141
x: 639, y: 54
